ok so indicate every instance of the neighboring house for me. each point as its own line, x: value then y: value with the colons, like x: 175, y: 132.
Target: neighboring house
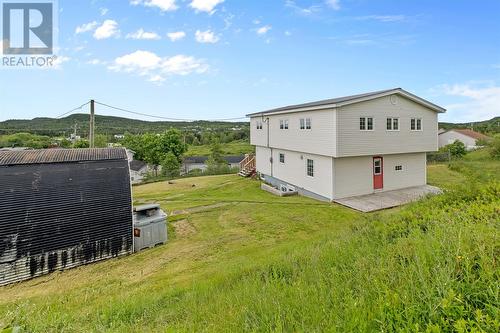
x: 200, y: 162
x: 467, y: 136
x: 62, y: 208
x: 347, y: 146
x: 138, y: 170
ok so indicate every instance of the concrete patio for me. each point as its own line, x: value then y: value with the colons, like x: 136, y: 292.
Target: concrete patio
x: 382, y: 200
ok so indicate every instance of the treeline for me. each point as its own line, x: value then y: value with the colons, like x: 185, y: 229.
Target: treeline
x: 488, y: 127
x: 109, y: 125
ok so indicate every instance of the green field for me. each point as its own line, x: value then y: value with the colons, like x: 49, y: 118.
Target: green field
x: 231, y: 148
x: 240, y: 259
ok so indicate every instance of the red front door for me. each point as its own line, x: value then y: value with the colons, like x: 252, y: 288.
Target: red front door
x: 378, y: 173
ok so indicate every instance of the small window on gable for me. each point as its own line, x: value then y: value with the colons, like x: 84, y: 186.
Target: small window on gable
x: 392, y: 124
x: 282, y: 158
x: 398, y: 168
x: 366, y: 123
x: 308, y: 123
x: 302, y: 123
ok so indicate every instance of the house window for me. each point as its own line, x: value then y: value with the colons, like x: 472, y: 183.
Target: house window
x: 310, y: 168
x: 416, y: 124
x: 282, y: 158
x: 366, y: 123
x: 393, y: 124
x: 398, y: 168
x: 305, y: 123
x: 284, y: 124
x: 259, y: 125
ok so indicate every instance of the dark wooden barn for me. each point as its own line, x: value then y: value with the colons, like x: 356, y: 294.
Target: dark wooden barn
x: 61, y: 208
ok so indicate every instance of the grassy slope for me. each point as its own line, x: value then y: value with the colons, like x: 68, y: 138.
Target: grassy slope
x: 232, y: 148
x: 263, y: 263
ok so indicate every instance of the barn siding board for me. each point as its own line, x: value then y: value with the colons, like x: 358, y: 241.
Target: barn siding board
x: 56, y: 216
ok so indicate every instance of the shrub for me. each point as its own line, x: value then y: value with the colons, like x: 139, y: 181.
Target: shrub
x: 456, y: 149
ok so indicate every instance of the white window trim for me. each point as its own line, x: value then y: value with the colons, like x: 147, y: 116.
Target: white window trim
x: 392, y: 124
x: 366, y: 124
x: 421, y: 125
x: 302, y: 121
x: 310, y: 123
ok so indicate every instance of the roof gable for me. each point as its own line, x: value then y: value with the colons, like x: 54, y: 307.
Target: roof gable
x: 470, y: 133
x: 347, y: 100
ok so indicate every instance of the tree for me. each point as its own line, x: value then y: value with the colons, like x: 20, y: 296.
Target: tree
x: 100, y: 141
x: 65, y: 143
x: 456, y: 149
x: 495, y: 147
x: 216, y: 161
x: 81, y: 144
x: 171, y: 165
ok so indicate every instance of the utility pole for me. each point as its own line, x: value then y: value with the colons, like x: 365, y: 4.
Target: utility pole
x: 91, y: 132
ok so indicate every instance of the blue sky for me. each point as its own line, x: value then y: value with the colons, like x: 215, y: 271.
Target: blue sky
x: 209, y: 59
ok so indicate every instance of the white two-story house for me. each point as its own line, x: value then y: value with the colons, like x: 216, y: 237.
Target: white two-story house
x: 347, y: 146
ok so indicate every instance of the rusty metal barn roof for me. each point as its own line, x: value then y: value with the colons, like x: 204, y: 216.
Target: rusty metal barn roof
x: 44, y: 156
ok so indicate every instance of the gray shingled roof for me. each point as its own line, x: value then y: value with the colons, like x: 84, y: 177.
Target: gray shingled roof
x: 44, y: 156
x: 339, y: 100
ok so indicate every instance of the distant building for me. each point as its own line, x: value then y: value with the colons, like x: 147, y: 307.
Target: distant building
x: 138, y: 170
x: 119, y: 136
x: 467, y: 136
x: 200, y: 162
x: 62, y: 208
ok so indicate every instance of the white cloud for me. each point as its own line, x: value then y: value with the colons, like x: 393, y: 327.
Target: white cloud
x: 263, y: 30
x: 479, y: 102
x: 334, y: 4
x: 141, y: 34
x: 95, y: 62
x: 177, y: 35
x: 57, y: 63
x: 383, y: 18
x: 306, y: 11
x: 108, y: 29
x: 163, y: 5
x: 206, y: 37
x: 156, y: 68
x: 256, y: 21
x: 288, y: 33
x: 205, y: 5
x: 86, y: 27
x: 103, y: 11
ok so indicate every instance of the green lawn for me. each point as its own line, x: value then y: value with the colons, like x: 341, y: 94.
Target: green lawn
x: 240, y: 259
x: 232, y: 148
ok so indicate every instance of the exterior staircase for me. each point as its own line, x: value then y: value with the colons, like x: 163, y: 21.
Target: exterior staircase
x: 247, y: 166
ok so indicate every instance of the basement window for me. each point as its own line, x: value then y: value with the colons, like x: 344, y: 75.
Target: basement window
x: 282, y: 158
x: 398, y: 168
x: 393, y: 124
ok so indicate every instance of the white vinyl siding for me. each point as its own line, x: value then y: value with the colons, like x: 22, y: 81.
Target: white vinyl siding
x: 320, y: 139
x: 354, y: 175
x: 353, y: 142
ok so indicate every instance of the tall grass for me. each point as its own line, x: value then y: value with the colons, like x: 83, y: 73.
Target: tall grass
x: 430, y: 266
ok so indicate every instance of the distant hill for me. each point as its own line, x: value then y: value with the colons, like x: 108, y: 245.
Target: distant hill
x: 108, y: 125
x: 491, y: 126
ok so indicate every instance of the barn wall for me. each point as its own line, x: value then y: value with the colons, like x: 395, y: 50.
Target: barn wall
x: 58, y: 216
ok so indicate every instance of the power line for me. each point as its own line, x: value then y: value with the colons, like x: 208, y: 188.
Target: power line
x: 163, y: 118
x: 72, y: 110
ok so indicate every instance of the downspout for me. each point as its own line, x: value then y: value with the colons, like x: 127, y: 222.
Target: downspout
x: 268, y: 140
